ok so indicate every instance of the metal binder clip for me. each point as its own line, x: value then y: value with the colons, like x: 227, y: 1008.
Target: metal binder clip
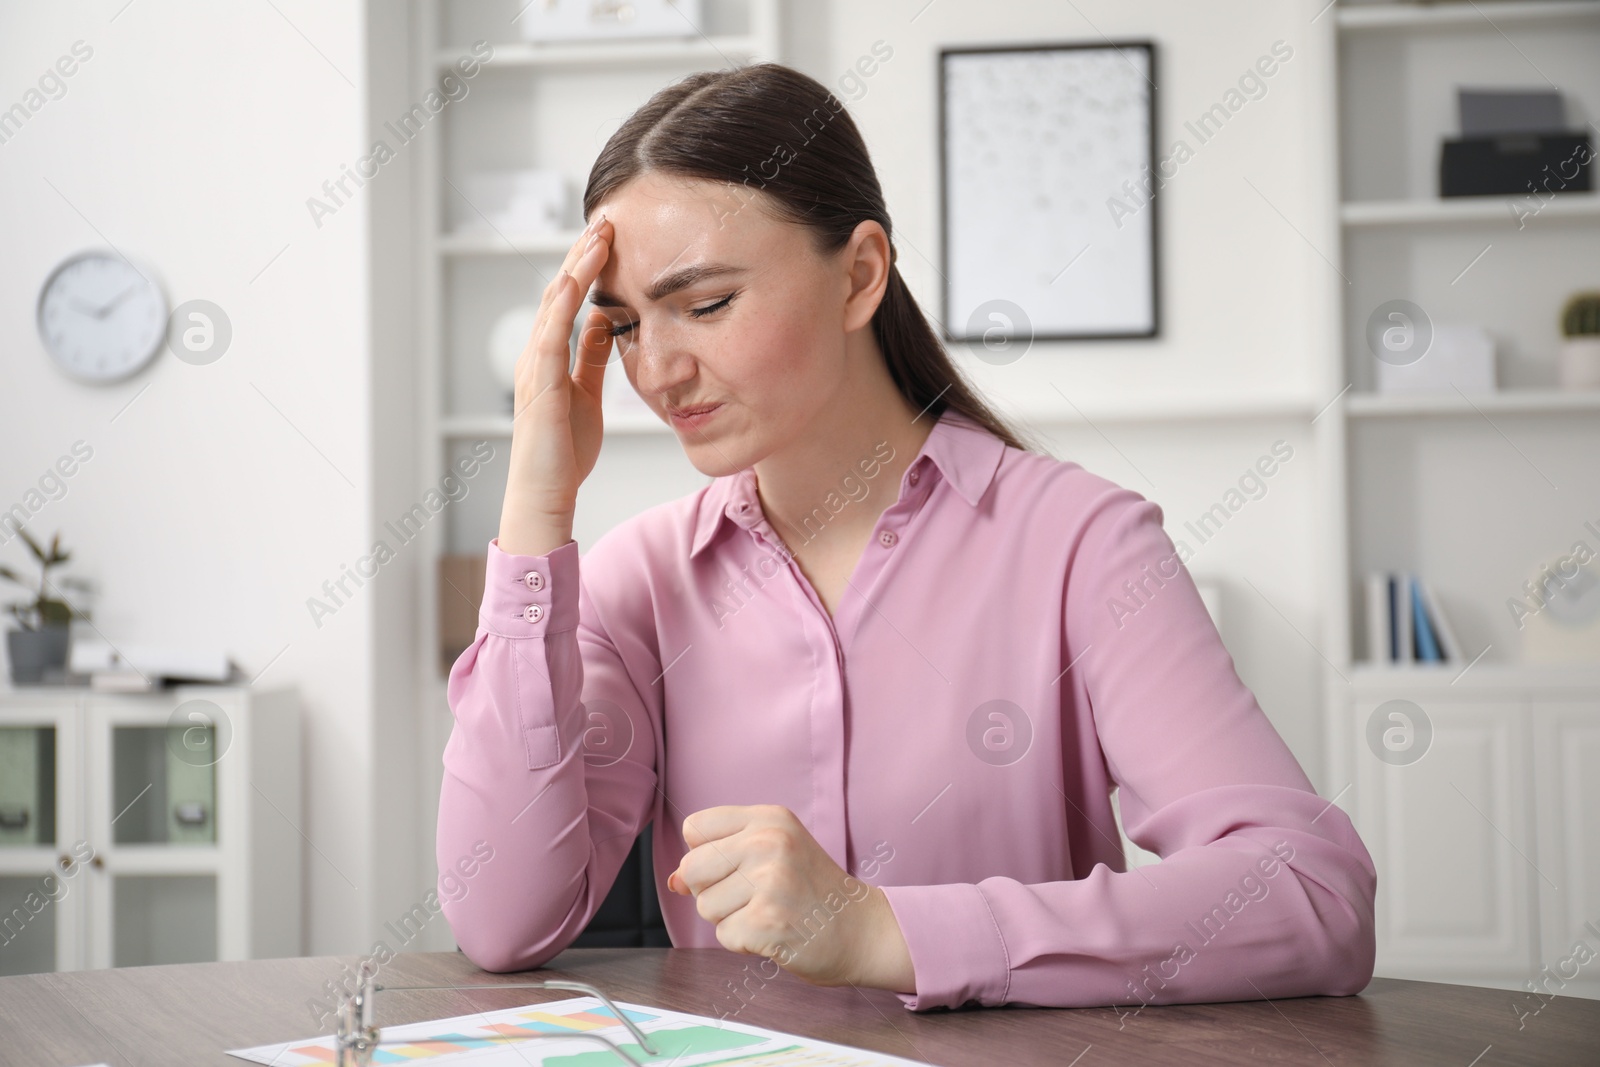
x: 358, y: 1036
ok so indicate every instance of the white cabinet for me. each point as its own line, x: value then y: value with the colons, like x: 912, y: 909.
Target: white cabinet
x: 1566, y: 740
x: 1481, y: 816
x: 148, y: 828
x: 1449, y: 834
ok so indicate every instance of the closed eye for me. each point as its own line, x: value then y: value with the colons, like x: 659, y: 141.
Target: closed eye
x: 702, y: 312
x: 709, y: 308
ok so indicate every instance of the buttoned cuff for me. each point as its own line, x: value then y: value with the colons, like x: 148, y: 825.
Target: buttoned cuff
x: 956, y: 948
x: 530, y: 596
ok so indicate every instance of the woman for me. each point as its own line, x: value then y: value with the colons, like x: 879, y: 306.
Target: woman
x: 874, y: 684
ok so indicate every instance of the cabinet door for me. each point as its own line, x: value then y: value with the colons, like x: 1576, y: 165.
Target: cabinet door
x: 42, y: 850
x: 1566, y: 755
x: 1450, y: 831
x: 154, y: 896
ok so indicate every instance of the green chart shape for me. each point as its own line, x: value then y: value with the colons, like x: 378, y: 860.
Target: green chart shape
x: 688, y: 1041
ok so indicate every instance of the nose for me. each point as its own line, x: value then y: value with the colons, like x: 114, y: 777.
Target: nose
x: 659, y: 362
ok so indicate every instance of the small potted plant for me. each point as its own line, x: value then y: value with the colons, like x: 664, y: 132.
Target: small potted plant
x: 1580, y: 342
x: 45, y: 619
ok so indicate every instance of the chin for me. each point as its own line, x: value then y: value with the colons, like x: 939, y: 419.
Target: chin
x: 714, y: 462
x: 720, y: 455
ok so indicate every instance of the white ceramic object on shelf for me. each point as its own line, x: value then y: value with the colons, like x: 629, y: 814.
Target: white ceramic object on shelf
x: 1580, y: 363
x: 507, y: 338
x: 1565, y: 628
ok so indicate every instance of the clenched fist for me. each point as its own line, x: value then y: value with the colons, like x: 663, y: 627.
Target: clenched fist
x: 756, y: 872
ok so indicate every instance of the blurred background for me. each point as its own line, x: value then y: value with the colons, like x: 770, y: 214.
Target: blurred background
x: 1320, y: 279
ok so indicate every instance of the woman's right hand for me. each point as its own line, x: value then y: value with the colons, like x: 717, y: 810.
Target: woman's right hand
x: 557, y: 427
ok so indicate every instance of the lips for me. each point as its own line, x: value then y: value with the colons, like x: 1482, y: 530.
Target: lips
x: 685, y: 413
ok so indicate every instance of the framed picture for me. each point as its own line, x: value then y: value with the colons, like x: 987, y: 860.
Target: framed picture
x: 1047, y: 191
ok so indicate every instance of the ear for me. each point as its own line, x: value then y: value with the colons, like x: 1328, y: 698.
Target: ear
x: 868, y: 259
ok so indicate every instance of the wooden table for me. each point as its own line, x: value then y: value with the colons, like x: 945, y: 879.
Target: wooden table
x: 191, y: 1014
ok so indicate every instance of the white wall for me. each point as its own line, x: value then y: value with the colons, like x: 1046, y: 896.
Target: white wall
x: 1244, y: 310
x: 219, y: 497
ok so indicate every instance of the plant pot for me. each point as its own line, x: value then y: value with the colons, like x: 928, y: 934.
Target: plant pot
x: 33, y: 652
x: 1580, y: 363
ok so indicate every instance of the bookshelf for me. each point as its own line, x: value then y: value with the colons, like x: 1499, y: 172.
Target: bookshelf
x: 1474, y: 830
x: 1492, y: 210
x: 1357, y: 18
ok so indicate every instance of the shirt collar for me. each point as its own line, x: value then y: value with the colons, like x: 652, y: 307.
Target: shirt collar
x: 964, y: 453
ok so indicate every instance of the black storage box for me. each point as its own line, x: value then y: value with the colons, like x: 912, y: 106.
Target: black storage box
x: 1516, y: 165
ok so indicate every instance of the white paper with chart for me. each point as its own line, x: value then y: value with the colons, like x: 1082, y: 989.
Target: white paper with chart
x: 543, y: 1035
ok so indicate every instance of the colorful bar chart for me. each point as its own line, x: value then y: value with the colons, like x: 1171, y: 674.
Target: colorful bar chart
x: 516, y: 1024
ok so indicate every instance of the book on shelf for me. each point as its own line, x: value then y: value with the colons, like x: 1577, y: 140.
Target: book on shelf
x: 1426, y: 646
x: 1449, y: 647
x: 1405, y: 651
x: 1404, y: 623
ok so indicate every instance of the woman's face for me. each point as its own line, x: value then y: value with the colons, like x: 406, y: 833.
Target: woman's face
x: 713, y: 301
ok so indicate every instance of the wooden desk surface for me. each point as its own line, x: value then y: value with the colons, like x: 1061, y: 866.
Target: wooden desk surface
x: 192, y: 1014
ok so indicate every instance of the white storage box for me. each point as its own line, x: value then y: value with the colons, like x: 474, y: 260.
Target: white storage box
x: 1460, y: 356
x: 575, y: 20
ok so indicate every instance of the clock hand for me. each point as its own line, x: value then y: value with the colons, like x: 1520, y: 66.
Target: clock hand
x: 119, y: 298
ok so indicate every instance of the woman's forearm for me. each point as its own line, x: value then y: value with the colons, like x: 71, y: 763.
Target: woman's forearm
x: 515, y: 774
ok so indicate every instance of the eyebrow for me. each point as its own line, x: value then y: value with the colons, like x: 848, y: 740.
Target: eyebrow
x: 668, y: 284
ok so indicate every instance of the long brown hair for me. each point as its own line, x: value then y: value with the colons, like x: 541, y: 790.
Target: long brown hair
x: 736, y: 125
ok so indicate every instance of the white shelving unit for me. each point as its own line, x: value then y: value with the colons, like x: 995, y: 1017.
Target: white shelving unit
x: 545, y: 104
x: 708, y: 50
x: 1519, y: 402
x: 165, y: 828
x: 1359, y: 17
x: 1485, y: 845
x: 1464, y: 209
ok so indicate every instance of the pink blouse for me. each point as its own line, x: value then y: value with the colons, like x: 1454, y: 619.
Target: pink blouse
x: 1018, y: 639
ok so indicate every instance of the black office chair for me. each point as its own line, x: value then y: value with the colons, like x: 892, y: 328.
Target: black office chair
x: 630, y: 916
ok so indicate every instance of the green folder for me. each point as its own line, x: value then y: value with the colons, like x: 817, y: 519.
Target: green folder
x: 192, y: 787
x: 27, y: 785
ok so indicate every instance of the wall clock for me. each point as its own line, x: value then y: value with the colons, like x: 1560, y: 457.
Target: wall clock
x: 101, y: 317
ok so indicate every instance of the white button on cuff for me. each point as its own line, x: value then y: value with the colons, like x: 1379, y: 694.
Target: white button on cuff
x: 533, y: 580
x: 887, y: 538
x: 533, y: 613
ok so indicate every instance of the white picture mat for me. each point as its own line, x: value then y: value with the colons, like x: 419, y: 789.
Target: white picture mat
x: 1037, y: 143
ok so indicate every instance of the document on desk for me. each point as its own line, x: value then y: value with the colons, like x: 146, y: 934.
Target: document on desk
x: 544, y: 1035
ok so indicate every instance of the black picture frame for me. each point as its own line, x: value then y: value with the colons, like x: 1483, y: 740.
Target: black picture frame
x: 958, y: 331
